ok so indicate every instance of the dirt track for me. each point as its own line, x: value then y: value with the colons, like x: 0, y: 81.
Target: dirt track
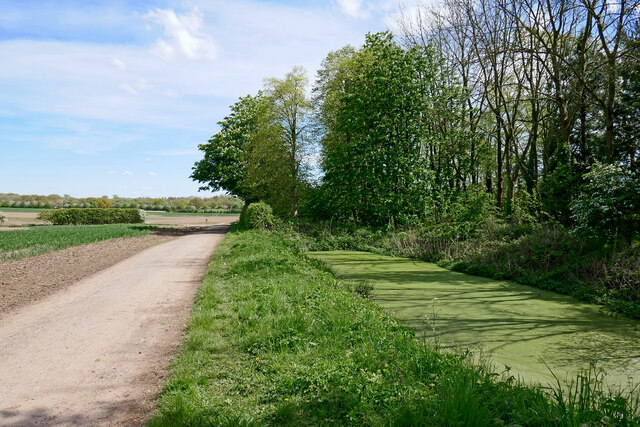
x: 96, y: 353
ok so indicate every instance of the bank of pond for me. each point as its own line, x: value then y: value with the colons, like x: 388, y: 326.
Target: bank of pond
x: 276, y: 339
x: 536, y: 335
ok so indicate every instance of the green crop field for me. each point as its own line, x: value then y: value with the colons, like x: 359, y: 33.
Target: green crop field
x: 9, y: 211
x: 16, y: 244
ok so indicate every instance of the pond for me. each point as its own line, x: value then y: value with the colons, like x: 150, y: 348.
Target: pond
x: 528, y: 330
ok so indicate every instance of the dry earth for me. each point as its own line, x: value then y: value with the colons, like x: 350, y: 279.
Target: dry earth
x: 190, y: 220
x: 96, y: 352
x: 27, y: 280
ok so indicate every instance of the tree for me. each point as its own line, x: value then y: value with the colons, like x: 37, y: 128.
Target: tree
x: 381, y: 137
x: 627, y: 114
x: 609, y: 203
x: 288, y: 115
x: 259, y: 152
x: 224, y: 164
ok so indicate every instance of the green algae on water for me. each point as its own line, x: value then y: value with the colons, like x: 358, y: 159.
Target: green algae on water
x: 534, y: 334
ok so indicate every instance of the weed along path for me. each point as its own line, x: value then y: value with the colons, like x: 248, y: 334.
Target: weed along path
x: 96, y: 352
x: 517, y: 326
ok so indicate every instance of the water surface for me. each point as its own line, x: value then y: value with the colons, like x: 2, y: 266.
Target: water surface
x: 516, y: 326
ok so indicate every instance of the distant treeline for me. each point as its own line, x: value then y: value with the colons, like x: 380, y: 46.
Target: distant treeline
x: 228, y: 204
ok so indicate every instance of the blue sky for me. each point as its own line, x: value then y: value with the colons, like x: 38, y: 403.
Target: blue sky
x: 113, y: 97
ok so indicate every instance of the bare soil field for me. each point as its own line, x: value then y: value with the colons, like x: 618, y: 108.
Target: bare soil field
x: 27, y: 280
x: 21, y: 218
x: 190, y: 220
x: 95, y: 351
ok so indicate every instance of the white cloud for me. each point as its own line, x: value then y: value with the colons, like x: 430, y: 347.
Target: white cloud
x: 119, y: 63
x: 184, y: 35
x: 352, y: 8
x: 414, y: 16
x: 127, y: 173
x: 153, y: 174
x: 128, y: 88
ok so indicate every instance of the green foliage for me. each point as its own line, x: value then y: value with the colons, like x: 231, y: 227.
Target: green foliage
x: 16, y: 244
x: 275, y: 339
x: 259, y: 152
x: 3, y: 218
x: 224, y: 162
x: 259, y: 216
x: 93, y: 216
x: 384, y: 111
x: 276, y: 170
x: 609, y: 204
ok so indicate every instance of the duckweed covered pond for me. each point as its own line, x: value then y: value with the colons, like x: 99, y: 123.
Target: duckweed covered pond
x: 526, y: 329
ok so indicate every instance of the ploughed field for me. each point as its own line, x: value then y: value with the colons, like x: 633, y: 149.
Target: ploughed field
x: 528, y: 330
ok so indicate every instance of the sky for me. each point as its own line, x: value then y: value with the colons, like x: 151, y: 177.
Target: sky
x: 114, y: 97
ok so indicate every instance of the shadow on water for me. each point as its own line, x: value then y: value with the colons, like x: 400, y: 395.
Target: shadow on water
x: 516, y: 325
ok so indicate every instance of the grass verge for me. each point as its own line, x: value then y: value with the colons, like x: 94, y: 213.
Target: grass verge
x: 276, y: 339
x: 16, y: 244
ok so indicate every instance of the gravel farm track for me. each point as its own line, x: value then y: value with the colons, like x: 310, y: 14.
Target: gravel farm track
x: 87, y: 333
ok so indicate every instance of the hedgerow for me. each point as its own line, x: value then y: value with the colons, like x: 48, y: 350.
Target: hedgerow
x: 75, y: 216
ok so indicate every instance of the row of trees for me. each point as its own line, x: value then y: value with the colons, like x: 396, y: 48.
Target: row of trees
x: 186, y: 204
x: 552, y: 88
x: 530, y: 106
x: 261, y: 152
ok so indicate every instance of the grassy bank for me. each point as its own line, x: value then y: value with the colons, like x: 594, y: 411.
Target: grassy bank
x: 275, y: 339
x: 545, y: 256
x: 15, y: 244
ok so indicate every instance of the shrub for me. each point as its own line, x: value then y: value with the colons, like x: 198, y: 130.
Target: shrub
x: 93, y: 216
x: 608, y: 206
x: 2, y: 218
x: 260, y: 216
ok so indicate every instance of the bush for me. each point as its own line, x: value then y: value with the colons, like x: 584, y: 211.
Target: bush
x: 609, y: 203
x: 2, y: 218
x: 91, y: 216
x: 260, y: 216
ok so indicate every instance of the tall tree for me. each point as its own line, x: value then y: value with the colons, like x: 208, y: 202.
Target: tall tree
x: 224, y: 164
x: 389, y: 129
x: 289, y: 119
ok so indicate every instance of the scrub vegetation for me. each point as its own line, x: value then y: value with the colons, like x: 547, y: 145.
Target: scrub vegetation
x: 16, y: 244
x: 276, y: 339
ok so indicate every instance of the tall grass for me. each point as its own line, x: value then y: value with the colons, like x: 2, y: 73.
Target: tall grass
x: 275, y: 339
x: 16, y: 244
